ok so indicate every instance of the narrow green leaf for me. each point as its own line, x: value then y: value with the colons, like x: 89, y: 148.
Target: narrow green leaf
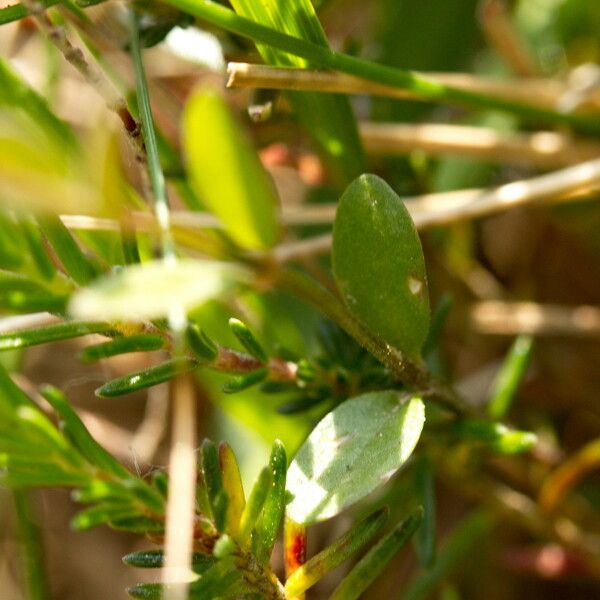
x: 81, y: 437
x: 224, y: 547
x: 151, y: 290
x: 269, y: 521
x: 335, y: 554
x: 146, y: 591
x: 33, y: 237
x: 255, y: 504
x: 146, y: 378
x: 245, y: 200
x: 14, y: 91
x: 425, y: 539
x: 134, y: 343
x: 200, y: 344
x: 74, y: 261
x: 238, y: 383
x: 375, y: 561
x: 160, y: 482
x: 328, y: 118
x: 454, y: 550
x: 247, y: 339
x: 496, y: 436
x: 154, y: 559
x: 211, y: 472
x: 353, y: 450
x: 232, y: 483
x: 101, y: 514
x: 139, y: 525
x: 509, y: 377
x: 438, y: 320
x: 51, y: 333
x: 99, y: 490
x: 378, y: 264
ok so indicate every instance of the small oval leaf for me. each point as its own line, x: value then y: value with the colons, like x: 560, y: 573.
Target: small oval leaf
x: 379, y: 266
x: 354, y: 449
x: 151, y: 290
x: 227, y: 174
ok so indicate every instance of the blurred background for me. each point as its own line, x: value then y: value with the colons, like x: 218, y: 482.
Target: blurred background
x: 530, y: 270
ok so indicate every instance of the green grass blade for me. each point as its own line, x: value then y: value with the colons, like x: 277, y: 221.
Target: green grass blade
x: 456, y: 548
x: 375, y: 561
x: 74, y: 428
x: 510, y: 376
x: 74, y: 261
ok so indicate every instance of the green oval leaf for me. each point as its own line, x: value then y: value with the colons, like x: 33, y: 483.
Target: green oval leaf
x: 378, y: 264
x: 227, y: 174
x: 354, y: 449
x: 152, y: 289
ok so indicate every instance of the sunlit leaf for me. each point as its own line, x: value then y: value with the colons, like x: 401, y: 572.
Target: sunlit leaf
x: 353, y: 450
x: 153, y: 289
x: 227, y: 174
x: 379, y: 266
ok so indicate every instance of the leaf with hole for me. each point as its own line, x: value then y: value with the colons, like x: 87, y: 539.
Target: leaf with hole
x: 353, y: 450
x: 379, y: 266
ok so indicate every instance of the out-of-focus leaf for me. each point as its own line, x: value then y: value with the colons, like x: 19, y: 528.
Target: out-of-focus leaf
x: 101, y: 514
x: 495, y: 436
x: 153, y: 289
x: 154, y: 559
x: 80, y: 436
x: 353, y: 450
x: 122, y: 345
x: 244, y: 199
x: 50, y: 333
x: 269, y: 521
x: 15, y: 92
x: 75, y: 262
x: 379, y: 266
x: 327, y: 117
x: 146, y: 378
x: 200, y: 344
x: 335, y: 554
x: 375, y: 561
x: 510, y: 376
x: 425, y: 539
x: 454, y: 550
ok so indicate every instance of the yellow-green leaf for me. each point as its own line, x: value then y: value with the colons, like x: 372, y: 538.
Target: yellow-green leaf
x: 227, y: 174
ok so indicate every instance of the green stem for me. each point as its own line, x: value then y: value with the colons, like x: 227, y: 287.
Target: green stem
x: 423, y: 86
x: 31, y: 547
x: 155, y: 172
x: 401, y: 367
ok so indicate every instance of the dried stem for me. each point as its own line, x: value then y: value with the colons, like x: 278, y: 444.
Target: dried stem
x: 501, y: 34
x: 544, y: 149
x: 92, y: 75
x: 512, y: 318
x: 547, y: 93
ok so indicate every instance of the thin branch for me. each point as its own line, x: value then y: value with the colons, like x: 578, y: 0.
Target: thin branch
x: 501, y: 34
x: 546, y: 92
x: 542, y: 149
x: 92, y: 75
x: 511, y: 318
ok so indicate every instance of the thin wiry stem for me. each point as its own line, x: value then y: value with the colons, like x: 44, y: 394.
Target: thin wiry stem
x: 155, y: 172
